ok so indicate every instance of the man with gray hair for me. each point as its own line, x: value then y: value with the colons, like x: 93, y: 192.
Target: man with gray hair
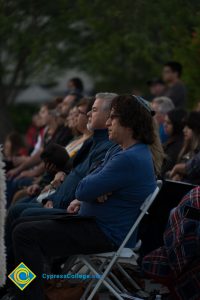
x: 100, y: 111
x: 161, y: 106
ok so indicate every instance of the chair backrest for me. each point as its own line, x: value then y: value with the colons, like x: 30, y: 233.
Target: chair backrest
x: 144, y: 209
x: 149, y: 200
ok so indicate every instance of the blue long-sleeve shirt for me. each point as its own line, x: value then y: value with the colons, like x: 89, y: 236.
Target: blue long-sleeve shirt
x: 129, y: 176
x: 88, y: 157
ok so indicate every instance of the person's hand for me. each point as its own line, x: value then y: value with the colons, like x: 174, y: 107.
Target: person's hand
x: 49, y: 204
x: 176, y: 177
x: 103, y: 198
x: 60, y: 176
x: 46, y: 188
x: 33, y: 189
x: 74, y: 207
x: 177, y: 169
x: 13, y: 173
x: 58, y: 179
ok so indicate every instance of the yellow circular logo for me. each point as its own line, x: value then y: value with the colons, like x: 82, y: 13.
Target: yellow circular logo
x: 21, y: 276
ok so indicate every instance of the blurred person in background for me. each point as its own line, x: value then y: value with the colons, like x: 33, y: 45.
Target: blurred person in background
x: 13, y: 146
x: 175, y: 90
x: 68, y: 103
x: 32, y: 132
x: 22, y: 175
x: 197, y: 107
x: 78, y: 123
x: 156, y: 88
x: 55, y: 131
x: 161, y: 106
x: 188, y: 167
x: 75, y: 84
x: 48, y: 112
x: 173, y: 127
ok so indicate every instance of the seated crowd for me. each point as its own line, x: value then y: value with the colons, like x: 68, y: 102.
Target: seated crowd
x: 97, y: 159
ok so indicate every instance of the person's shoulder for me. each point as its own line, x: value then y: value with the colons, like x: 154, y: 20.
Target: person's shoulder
x: 137, y: 148
x: 138, y: 152
x: 179, y: 85
x: 117, y: 155
x: 133, y: 151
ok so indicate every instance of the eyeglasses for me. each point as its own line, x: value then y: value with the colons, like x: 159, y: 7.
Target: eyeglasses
x: 114, y: 116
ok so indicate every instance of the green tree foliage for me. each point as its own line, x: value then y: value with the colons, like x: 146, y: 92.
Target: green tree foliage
x: 132, y: 40
x: 121, y: 43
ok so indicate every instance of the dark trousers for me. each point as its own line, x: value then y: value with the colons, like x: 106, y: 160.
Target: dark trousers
x: 37, y: 238
x: 25, y: 207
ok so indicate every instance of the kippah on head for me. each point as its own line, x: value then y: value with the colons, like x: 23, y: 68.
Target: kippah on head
x: 145, y: 104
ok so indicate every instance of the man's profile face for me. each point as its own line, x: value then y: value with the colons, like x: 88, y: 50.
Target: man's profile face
x: 66, y: 104
x: 98, y: 116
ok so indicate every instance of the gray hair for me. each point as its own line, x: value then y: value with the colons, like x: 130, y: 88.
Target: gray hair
x: 165, y: 104
x: 107, y: 98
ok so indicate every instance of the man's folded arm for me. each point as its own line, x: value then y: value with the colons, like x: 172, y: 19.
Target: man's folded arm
x: 112, y: 177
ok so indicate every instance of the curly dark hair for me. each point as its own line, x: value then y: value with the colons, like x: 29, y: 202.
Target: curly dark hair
x: 136, y: 116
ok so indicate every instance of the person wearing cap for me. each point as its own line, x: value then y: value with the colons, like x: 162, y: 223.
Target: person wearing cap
x: 112, y: 194
x: 156, y: 88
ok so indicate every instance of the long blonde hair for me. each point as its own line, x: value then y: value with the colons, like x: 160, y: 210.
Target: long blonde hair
x: 157, y: 151
x: 190, y: 147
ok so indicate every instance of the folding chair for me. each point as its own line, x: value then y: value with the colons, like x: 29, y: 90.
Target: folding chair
x: 108, y: 260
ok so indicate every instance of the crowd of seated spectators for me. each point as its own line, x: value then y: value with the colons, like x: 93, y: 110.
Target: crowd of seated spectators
x: 99, y: 158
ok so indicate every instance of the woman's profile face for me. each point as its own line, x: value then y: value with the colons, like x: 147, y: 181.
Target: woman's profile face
x: 72, y: 117
x: 168, y: 126
x: 188, y: 133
